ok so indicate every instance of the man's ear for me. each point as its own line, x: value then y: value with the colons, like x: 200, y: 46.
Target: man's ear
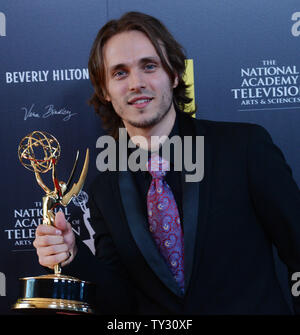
x: 106, y: 96
x: 175, y: 84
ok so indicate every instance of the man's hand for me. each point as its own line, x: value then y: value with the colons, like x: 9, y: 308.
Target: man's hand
x: 55, y: 244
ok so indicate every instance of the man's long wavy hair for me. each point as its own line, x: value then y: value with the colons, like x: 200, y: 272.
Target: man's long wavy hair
x: 158, y: 35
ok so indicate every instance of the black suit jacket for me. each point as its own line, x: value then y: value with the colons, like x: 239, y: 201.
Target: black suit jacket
x: 246, y: 202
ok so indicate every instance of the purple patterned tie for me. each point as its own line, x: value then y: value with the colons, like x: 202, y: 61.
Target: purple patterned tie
x: 164, y: 220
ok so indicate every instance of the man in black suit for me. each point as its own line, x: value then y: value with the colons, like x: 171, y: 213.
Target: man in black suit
x: 246, y: 201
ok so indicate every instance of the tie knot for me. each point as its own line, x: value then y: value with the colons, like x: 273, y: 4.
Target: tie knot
x: 157, y: 166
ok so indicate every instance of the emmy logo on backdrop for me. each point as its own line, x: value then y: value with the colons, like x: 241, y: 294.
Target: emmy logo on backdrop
x: 40, y: 152
x: 81, y: 201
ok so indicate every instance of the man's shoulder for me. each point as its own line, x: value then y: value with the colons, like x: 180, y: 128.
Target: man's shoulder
x: 226, y: 132
x: 225, y: 125
x: 228, y: 128
x: 208, y: 127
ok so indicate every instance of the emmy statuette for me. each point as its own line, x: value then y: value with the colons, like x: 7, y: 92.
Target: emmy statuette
x: 39, y: 152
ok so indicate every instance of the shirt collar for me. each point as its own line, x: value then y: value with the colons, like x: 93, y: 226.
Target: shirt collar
x: 174, y: 132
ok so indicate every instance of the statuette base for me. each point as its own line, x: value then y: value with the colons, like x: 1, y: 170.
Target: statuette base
x: 56, y: 294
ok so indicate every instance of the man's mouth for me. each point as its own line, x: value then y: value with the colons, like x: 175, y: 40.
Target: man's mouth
x: 140, y: 102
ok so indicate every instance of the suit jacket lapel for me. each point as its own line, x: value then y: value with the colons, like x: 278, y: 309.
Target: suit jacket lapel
x: 204, y: 191
x: 190, y: 219
x: 194, y: 199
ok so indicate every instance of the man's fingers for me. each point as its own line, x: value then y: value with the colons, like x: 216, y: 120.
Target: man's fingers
x: 47, y: 230
x: 55, y: 244
x: 61, y: 222
x: 52, y: 250
x: 51, y: 260
x: 60, y: 226
x: 47, y: 240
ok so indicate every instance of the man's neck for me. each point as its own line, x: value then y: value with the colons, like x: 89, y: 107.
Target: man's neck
x: 154, y: 136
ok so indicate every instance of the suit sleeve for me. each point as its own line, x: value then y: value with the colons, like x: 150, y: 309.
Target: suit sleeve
x: 115, y: 294
x: 276, y: 199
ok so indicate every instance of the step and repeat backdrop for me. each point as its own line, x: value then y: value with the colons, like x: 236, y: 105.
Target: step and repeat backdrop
x: 245, y: 56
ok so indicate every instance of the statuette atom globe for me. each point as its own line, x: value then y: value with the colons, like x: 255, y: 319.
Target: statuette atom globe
x: 39, y: 151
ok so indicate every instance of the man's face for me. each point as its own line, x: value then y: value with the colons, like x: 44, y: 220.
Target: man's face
x: 137, y: 85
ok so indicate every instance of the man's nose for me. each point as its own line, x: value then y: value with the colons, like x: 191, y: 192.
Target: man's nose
x: 136, y: 81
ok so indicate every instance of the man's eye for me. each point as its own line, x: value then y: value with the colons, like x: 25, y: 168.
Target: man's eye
x: 150, y: 67
x: 119, y: 74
